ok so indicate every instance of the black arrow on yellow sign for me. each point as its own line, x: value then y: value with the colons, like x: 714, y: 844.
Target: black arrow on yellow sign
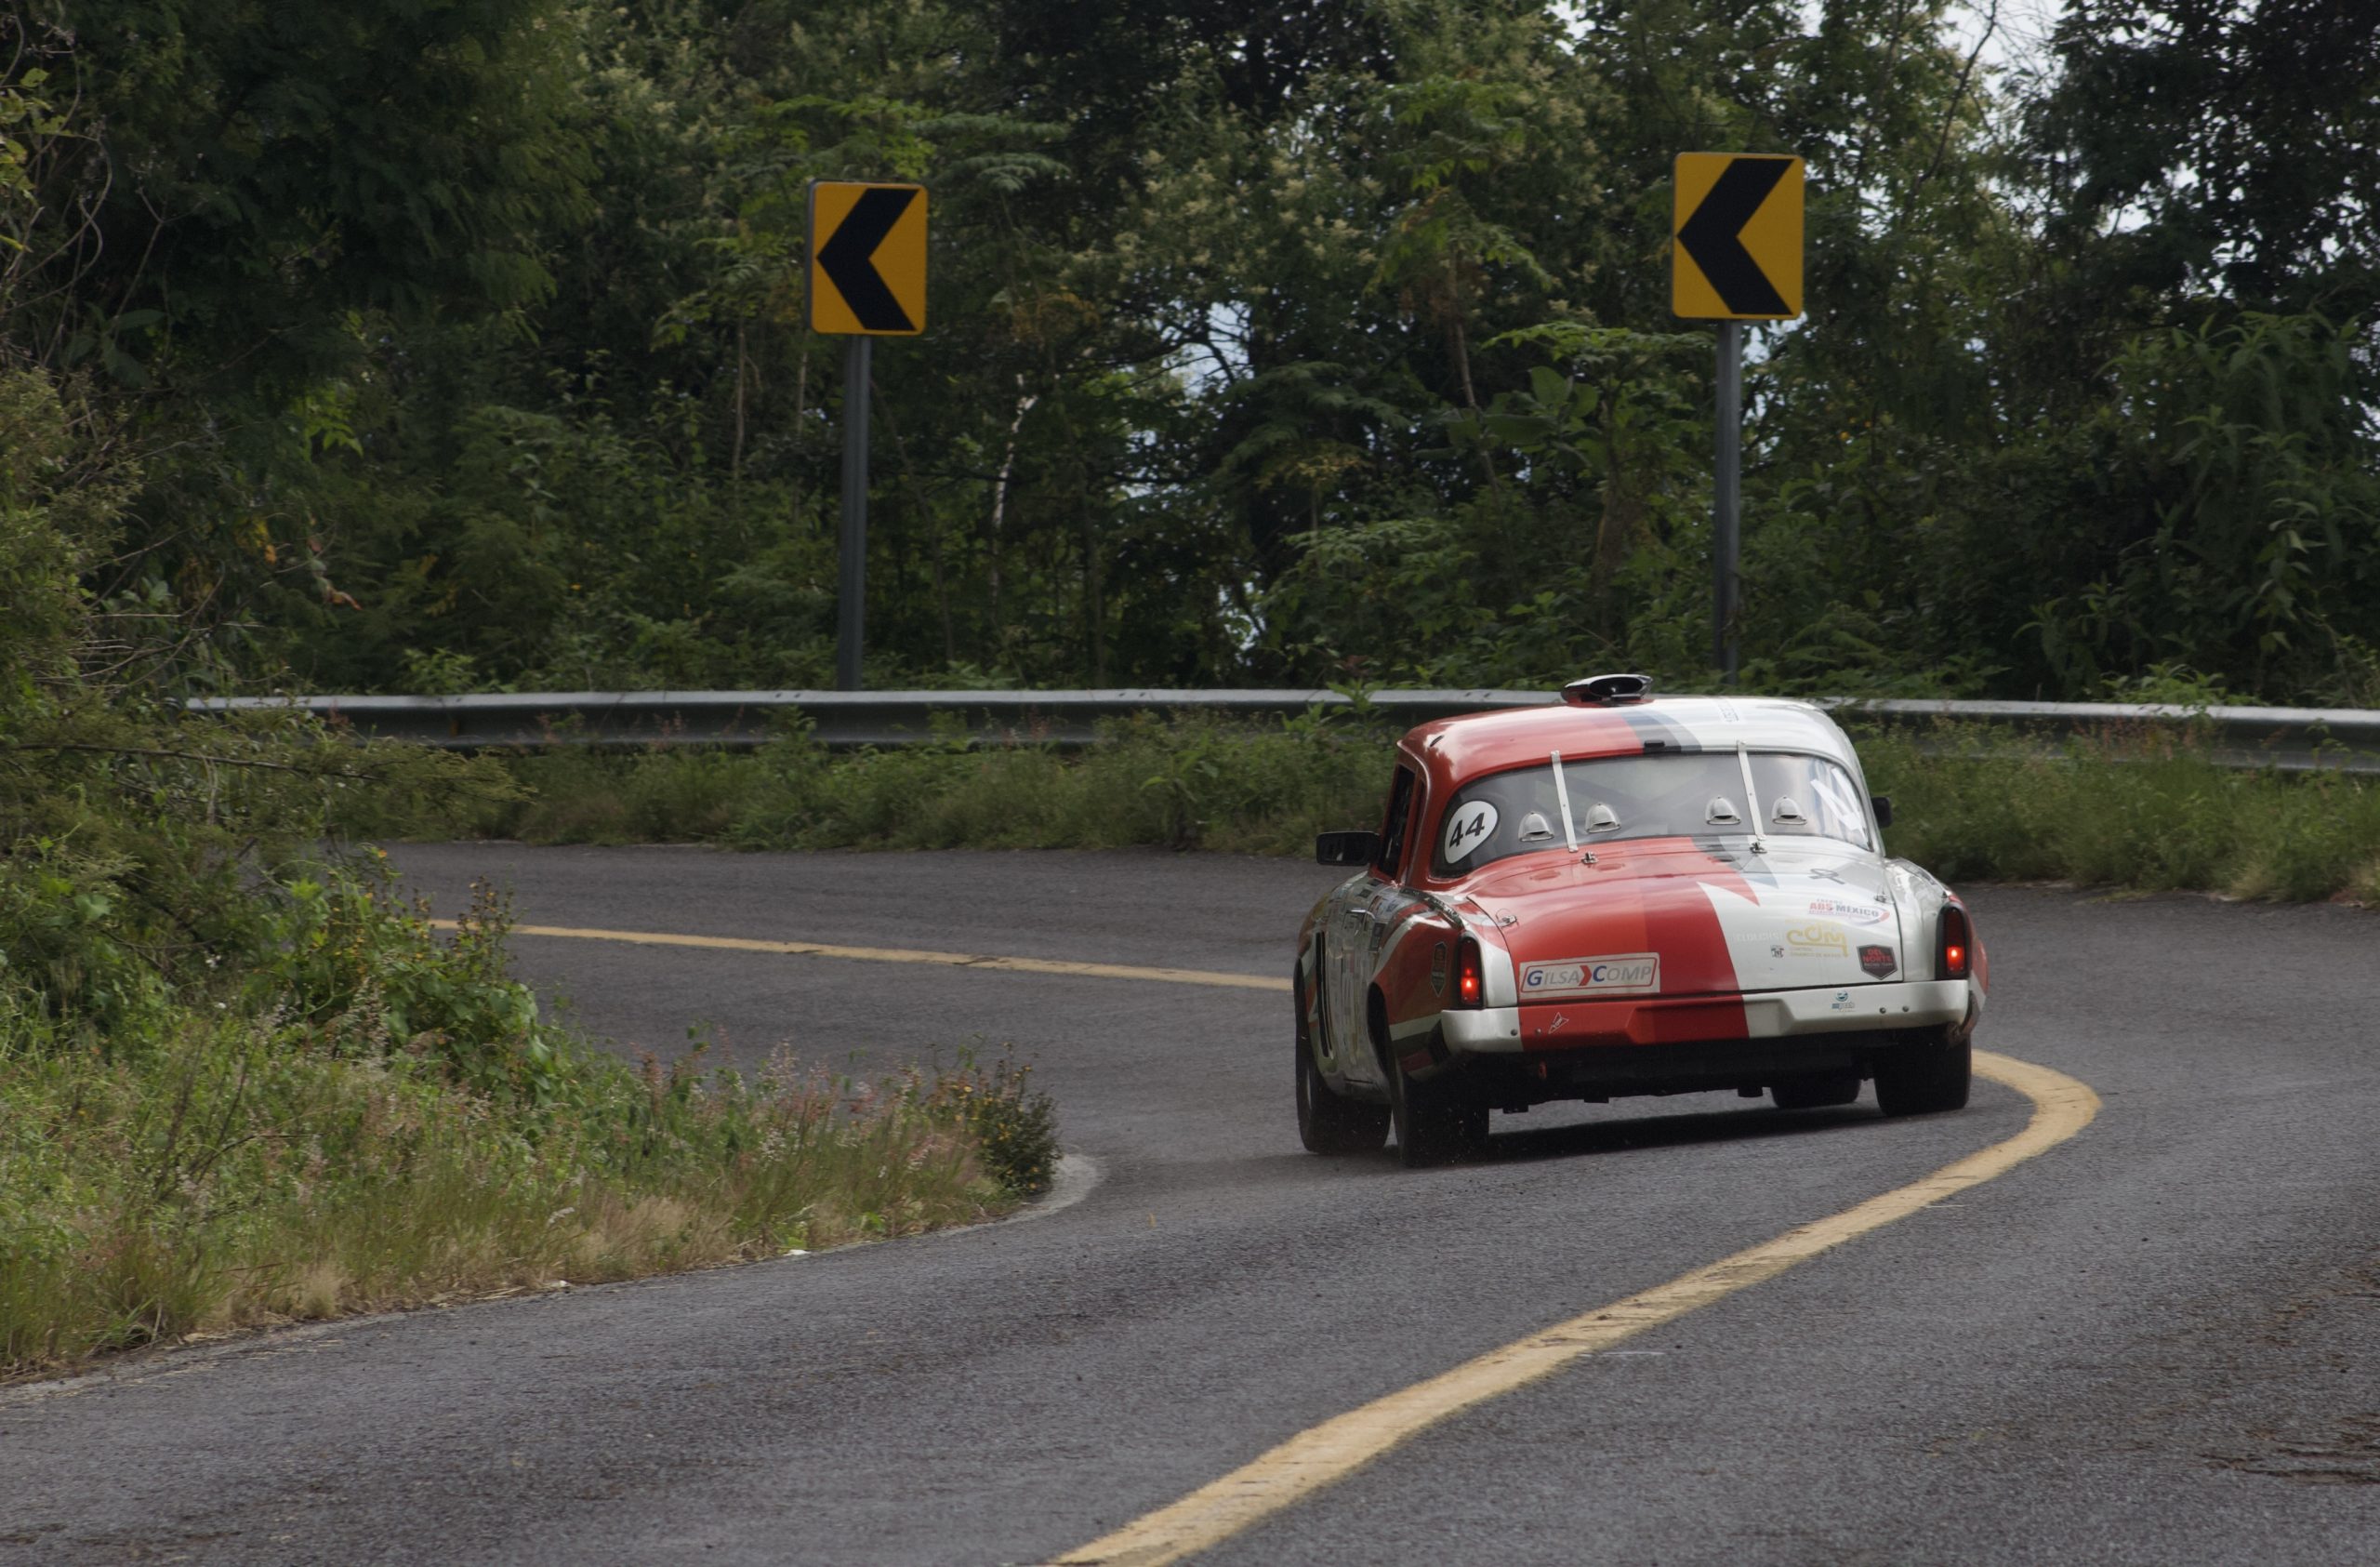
x: 868, y: 257
x: 1711, y: 236
x: 1738, y: 229
x: 848, y: 257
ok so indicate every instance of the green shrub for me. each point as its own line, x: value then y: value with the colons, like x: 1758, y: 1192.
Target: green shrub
x: 2125, y: 807
x: 1015, y: 1127
x: 1177, y: 783
x: 385, y: 1120
x: 239, y: 1082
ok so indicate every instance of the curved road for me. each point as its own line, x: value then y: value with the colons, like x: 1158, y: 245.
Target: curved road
x: 2158, y: 1342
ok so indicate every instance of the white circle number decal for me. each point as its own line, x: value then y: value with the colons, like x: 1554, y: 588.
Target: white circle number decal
x: 1467, y: 828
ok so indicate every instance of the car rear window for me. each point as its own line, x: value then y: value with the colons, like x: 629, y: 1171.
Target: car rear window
x: 1678, y: 795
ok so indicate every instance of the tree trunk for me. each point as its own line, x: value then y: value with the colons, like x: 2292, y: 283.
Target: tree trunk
x: 1000, y: 503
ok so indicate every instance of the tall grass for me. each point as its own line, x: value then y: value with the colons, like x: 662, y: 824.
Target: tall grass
x: 2133, y: 808
x: 418, y: 1136
x: 2126, y: 807
x: 1190, y: 783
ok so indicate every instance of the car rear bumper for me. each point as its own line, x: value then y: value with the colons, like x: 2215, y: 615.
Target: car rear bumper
x: 1679, y: 1020
x: 1744, y: 1065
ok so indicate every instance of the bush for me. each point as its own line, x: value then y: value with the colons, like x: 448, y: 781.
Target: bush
x: 396, y: 1125
x: 1178, y: 783
x: 2124, y: 807
x: 239, y: 1083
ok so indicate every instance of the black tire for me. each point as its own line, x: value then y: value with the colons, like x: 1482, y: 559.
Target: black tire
x: 1435, y: 1122
x: 1927, y: 1077
x: 1329, y: 1121
x: 1815, y: 1091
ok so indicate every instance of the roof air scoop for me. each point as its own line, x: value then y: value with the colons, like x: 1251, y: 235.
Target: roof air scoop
x: 1608, y: 691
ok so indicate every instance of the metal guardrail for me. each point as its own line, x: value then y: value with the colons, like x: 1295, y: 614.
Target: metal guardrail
x: 839, y: 719
x: 2288, y: 739
x: 2291, y: 739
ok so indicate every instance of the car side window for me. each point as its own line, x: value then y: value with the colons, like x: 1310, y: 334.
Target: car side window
x: 1392, y: 832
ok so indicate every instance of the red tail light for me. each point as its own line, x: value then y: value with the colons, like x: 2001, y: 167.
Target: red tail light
x: 1958, y: 941
x: 1469, y: 978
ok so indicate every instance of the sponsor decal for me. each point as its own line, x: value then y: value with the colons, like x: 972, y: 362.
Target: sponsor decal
x: 1843, y: 1003
x: 1812, y: 941
x: 1467, y: 828
x: 1621, y: 974
x: 1849, y: 913
x: 1438, y: 969
x: 1878, y: 961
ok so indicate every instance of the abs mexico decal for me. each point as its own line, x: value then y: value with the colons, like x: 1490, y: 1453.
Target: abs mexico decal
x: 1625, y: 973
x: 1849, y: 913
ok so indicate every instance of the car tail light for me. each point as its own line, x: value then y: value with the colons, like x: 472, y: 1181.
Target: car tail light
x: 1958, y: 944
x: 1470, y: 979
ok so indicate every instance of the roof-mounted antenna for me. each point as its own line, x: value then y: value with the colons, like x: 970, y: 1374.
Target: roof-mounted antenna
x: 1608, y: 691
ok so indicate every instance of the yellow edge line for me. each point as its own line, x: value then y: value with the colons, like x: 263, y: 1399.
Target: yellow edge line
x: 1337, y: 1448
x: 905, y: 955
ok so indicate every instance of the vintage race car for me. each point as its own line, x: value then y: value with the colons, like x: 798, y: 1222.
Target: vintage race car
x: 1620, y: 896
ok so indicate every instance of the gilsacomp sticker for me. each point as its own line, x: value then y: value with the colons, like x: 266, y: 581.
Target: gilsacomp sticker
x: 1626, y: 973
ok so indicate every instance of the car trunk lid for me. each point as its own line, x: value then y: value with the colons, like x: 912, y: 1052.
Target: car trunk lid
x: 1679, y: 917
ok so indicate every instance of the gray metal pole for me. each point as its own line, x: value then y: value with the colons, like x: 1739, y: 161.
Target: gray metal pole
x: 1726, y: 499
x: 850, y: 580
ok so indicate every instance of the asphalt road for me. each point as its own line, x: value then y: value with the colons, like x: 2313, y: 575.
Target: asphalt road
x: 2157, y: 1343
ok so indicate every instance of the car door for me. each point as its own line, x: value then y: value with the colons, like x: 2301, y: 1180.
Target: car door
x: 1351, y: 945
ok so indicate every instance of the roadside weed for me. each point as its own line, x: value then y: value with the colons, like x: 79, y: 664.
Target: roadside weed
x: 401, y: 1127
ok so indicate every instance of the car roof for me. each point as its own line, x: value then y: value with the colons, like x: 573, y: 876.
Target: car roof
x: 1455, y: 750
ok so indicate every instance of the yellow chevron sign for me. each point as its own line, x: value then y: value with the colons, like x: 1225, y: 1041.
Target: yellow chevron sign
x: 1737, y: 228
x: 868, y: 258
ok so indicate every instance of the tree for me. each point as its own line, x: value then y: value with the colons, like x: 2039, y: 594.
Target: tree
x: 2195, y: 149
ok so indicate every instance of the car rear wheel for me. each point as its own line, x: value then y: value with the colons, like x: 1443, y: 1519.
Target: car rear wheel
x: 1924, y: 1078
x: 1329, y: 1121
x: 1435, y: 1122
x: 1815, y: 1091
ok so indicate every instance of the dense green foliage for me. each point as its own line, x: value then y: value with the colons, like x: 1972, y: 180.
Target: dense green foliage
x: 239, y: 1083
x: 462, y: 341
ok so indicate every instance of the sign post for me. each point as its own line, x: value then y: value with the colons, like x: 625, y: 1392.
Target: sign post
x: 868, y: 279
x: 1736, y: 256
x: 850, y: 536
x: 1726, y: 499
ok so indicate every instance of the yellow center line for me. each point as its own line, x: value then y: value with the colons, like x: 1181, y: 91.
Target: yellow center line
x: 905, y: 955
x: 1337, y: 1448
x: 1328, y: 1453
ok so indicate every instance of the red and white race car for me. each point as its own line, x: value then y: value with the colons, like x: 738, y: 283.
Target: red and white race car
x: 1622, y: 896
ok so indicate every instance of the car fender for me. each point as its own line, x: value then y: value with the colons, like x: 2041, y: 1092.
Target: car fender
x: 1923, y: 896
